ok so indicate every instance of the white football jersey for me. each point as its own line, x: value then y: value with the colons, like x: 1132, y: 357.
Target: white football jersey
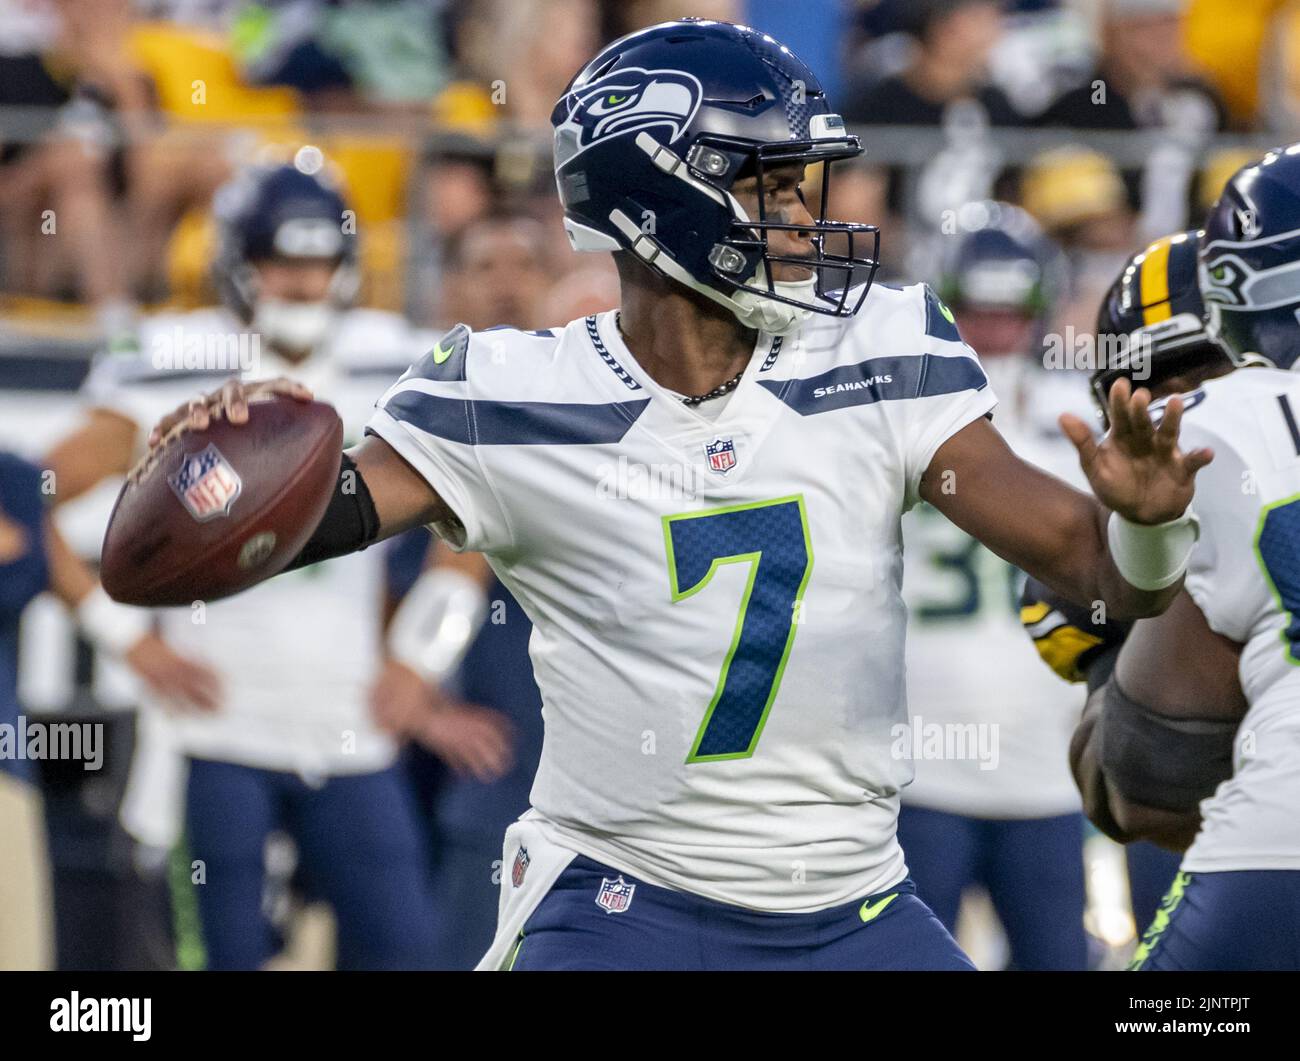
x: 1244, y: 574
x: 718, y: 628
x: 296, y: 655
x: 991, y: 725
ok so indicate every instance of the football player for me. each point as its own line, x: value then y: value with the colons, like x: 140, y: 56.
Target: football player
x: 1151, y: 324
x: 1001, y: 812
x: 696, y: 499
x: 294, y: 746
x: 1192, y: 740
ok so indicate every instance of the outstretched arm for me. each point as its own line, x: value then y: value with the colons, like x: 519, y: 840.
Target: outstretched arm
x: 1058, y: 534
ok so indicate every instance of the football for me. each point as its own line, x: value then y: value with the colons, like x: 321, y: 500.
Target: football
x: 219, y: 510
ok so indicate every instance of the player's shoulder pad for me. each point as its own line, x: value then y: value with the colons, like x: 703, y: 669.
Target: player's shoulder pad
x: 447, y: 361
x: 911, y: 315
x: 462, y: 352
x: 939, y: 320
x: 1228, y: 412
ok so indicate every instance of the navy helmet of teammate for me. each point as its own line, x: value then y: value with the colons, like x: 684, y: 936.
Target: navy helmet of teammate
x: 1250, y: 262
x: 720, y: 112
x: 1152, y: 322
x: 286, y: 261
x: 1001, y: 277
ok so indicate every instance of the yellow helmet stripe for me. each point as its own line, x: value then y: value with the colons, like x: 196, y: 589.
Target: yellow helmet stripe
x: 1155, y: 282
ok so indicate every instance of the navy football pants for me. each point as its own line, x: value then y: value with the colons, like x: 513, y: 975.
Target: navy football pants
x: 1233, y: 920
x: 665, y: 929
x: 1031, y: 868
x: 359, y: 845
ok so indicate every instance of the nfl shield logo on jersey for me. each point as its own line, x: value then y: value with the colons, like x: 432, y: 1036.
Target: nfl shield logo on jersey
x: 520, y: 868
x: 722, y: 454
x: 206, y: 484
x: 614, y: 896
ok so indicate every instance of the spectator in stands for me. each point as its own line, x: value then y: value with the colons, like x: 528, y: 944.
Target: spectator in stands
x: 628, y: 16
x: 947, y: 66
x: 344, y: 55
x: 1143, y: 79
x: 495, y: 275
x: 65, y: 63
x: 1079, y: 197
x: 525, y: 51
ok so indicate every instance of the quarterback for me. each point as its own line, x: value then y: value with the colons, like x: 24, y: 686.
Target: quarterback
x: 721, y: 664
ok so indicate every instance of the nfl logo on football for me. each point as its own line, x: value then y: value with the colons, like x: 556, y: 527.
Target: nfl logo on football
x: 206, y: 484
x: 722, y: 454
x: 614, y: 896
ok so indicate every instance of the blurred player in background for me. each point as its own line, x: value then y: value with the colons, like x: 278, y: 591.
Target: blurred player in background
x: 1005, y: 814
x: 293, y: 746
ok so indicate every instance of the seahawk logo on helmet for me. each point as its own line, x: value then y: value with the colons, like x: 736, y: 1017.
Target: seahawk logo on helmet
x: 1250, y: 261
x: 651, y: 139
x: 628, y: 101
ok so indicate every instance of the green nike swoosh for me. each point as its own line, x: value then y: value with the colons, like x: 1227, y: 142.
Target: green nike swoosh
x: 947, y: 313
x: 441, y: 353
x: 870, y: 911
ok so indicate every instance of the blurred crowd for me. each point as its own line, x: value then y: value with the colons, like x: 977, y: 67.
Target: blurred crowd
x: 1108, y: 122
x: 120, y: 118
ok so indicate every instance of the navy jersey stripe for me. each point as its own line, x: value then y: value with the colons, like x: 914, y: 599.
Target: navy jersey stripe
x: 881, y: 379
x: 938, y: 320
x: 485, y: 423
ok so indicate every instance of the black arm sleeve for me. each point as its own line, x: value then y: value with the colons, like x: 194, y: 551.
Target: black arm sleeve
x: 350, y: 522
x: 1167, y: 763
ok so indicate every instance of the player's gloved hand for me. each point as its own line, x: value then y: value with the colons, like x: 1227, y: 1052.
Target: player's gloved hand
x: 181, y: 683
x: 1137, y: 470
x: 231, y: 402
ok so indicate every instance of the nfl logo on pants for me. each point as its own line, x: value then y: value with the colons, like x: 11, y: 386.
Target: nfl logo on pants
x: 614, y: 896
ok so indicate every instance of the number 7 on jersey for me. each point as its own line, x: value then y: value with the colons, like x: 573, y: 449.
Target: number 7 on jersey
x: 772, y: 538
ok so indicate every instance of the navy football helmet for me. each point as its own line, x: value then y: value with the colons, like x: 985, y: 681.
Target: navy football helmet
x: 283, y: 212
x: 652, y: 134
x: 1001, y: 261
x: 1250, y: 261
x: 1152, y: 318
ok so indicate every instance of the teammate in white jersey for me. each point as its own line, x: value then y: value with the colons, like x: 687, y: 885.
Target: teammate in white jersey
x: 1236, y: 902
x: 293, y: 745
x: 697, y: 499
x: 993, y: 803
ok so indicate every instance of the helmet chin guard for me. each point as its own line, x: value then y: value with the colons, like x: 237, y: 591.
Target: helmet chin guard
x: 652, y: 135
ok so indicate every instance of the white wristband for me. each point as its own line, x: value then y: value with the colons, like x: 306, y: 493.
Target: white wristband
x: 113, y: 627
x: 1152, y: 557
x: 436, y: 622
